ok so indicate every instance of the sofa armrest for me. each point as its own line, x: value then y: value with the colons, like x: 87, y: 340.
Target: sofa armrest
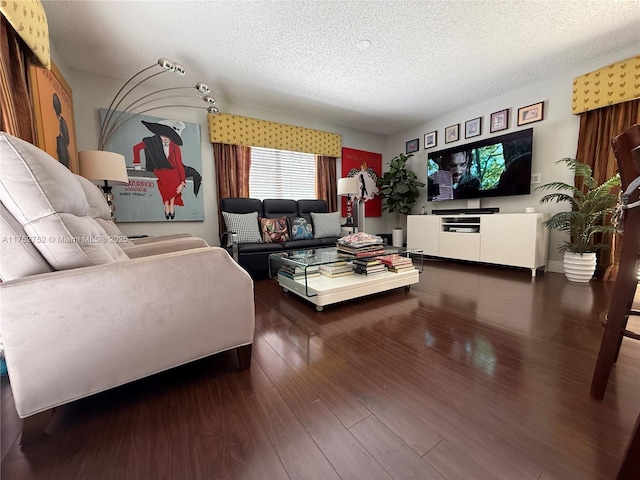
x: 230, y: 239
x: 73, y: 333
x: 164, y: 246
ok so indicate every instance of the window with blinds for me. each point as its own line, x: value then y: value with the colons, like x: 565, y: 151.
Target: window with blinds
x: 282, y: 174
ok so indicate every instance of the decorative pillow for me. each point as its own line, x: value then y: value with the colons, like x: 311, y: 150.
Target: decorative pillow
x: 326, y: 224
x: 274, y: 230
x: 245, y: 225
x: 301, y: 229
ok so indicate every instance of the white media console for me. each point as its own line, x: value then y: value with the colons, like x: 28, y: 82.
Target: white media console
x: 514, y: 239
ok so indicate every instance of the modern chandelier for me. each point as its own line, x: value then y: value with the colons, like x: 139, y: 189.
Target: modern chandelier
x: 117, y: 114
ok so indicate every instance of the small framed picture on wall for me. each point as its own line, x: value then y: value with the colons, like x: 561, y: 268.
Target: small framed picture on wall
x: 452, y: 133
x: 473, y: 128
x: 499, y: 120
x: 530, y: 113
x: 413, y: 145
x: 430, y: 140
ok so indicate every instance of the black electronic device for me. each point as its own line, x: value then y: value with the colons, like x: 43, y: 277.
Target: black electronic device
x: 465, y: 211
x: 492, y: 167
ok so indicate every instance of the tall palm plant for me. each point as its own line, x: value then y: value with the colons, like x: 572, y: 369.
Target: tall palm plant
x: 589, y: 206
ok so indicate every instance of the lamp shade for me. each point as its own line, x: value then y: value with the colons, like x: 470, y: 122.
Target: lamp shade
x: 347, y: 186
x: 99, y: 166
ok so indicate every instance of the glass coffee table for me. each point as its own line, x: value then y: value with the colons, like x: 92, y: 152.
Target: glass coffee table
x: 322, y: 290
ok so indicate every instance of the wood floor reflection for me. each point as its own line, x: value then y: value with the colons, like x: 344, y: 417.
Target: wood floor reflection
x: 476, y: 373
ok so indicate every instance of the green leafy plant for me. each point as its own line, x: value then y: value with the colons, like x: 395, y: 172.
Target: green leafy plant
x: 398, y: 188
x: 589, y: 206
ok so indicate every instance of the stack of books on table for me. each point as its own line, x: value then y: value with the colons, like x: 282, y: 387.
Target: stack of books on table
x: 297, y: 273
x: 396, y: 263
x: 337, y: 269
x: 360, y: 245
x: 368, y: 266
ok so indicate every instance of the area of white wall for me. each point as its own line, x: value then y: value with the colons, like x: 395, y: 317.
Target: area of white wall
x: 91, y: 92
x: 555, y: 137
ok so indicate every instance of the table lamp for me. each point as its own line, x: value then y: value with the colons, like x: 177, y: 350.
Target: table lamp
x: 101, y: 166
x: 348, y: 186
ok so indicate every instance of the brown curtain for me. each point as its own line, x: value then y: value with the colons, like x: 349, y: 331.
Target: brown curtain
x: 326, y: 181
x: 15, y: 103
x: 597, y: 129
x: 232, y: 164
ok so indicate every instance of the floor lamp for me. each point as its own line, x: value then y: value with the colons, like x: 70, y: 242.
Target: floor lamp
x: 348, y: 186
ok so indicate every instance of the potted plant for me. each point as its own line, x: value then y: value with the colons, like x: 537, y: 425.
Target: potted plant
x: 398, y: 188
x: 589, y: 206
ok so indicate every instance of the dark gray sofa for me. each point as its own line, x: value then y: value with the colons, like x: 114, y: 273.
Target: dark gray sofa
x: 253, y: 257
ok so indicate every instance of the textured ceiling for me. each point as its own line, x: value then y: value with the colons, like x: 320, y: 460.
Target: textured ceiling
x: 426, y: 58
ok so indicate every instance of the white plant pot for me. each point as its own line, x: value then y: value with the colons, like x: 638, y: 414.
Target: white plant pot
x: 579, y: 267
x: 397, y: 237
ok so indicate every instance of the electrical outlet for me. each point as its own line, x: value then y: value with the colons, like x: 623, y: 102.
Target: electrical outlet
x: 535, y: 178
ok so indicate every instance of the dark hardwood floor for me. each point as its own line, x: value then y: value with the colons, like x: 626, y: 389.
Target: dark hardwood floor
x: 477, y: 373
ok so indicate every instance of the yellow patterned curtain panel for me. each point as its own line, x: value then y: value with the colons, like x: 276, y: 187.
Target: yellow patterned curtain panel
x: 615, y: 83
x: 251, y: 132
x: 30, y: 21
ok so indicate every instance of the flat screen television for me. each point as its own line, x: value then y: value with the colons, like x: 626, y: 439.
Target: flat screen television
x: 492, y: 167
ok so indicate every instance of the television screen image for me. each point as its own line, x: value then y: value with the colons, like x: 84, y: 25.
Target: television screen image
x: 492, y: 167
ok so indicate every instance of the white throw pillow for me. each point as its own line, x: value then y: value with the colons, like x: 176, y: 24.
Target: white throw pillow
x: 245, y: 225
x: 326, y: 224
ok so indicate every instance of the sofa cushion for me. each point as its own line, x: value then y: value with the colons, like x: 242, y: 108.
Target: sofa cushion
x: 98, y: 206
x: 245, y: 225
x: 260, y: 248
x: 99, y: 210
x: 274, y: 230
x: 18, y: 256
x: 279, y: 207
x: 241, y: 205
x: 305, y: 207
x: 301, y: 228
x: 50, y: 204
x: 326, y: 224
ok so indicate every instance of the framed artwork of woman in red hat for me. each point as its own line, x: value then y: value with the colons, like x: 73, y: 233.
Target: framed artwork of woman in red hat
x: 163, y: 163
x: 164, y: 158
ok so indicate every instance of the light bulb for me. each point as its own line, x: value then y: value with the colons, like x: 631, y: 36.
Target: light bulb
x: 202, y: 88
x: 166, y: 64
x: 179, y: 70
x: 209, y: 99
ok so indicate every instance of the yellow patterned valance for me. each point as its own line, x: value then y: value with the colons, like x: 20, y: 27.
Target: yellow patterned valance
x: 251, y: 132
x: 616, y: 83
x: 30, y: 21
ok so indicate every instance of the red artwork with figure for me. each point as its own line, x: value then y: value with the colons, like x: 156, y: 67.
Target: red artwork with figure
x: 367, y: 167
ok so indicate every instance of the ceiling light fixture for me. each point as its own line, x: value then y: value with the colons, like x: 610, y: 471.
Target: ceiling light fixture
x: 115, y: 118
x: 363, y: 44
